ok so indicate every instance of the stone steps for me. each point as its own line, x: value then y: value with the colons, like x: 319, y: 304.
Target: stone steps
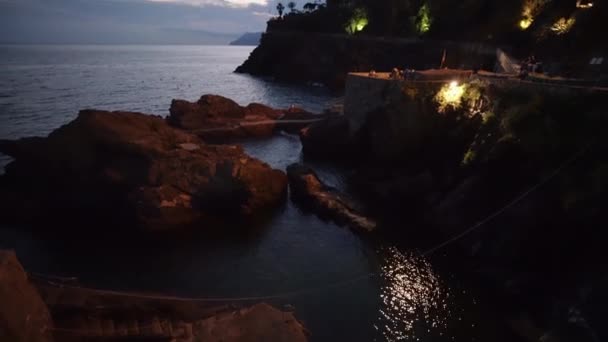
x: 84, y: 328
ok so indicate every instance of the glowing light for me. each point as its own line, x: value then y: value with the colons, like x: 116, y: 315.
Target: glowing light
x: 531, y: 9
x: 563, y: 26
x: 358, y: 22
x: 361, y: 25
x: 525, y: 23
x: 584, y: 5
x: 424, y: 19
x: 450, y: 95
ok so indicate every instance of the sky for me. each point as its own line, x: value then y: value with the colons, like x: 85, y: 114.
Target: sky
x: 132, y: 21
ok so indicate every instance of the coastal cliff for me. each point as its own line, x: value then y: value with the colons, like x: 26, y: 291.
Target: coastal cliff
x: 247, y: 39
x: 306, y: 57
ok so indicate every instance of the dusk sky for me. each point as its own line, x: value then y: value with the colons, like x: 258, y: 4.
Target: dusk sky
x: 132, y: 21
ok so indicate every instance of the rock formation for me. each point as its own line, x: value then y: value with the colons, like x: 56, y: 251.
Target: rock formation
x: 307, y: 189
x: 306, y: 57
x: 23, y: 314
x: 518, y: 186
x: 218, y: 118
x: 134, y: 166
x: 41, y: 311
x: 328, y: 139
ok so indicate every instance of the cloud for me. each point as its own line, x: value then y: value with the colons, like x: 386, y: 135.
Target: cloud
x: 226, y: 3
x: 128, y: 21
x: 263, y: 14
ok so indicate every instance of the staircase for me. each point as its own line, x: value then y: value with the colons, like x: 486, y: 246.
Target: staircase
x: 100, y: 328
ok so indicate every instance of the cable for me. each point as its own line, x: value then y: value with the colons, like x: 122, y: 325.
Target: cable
x: 296, y: 293
x: 518, y: 199
x: 220, y: 299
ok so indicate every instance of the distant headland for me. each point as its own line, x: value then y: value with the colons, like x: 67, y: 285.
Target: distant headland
x: 249, y: 38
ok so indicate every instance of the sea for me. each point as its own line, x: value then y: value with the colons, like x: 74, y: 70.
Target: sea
x: 343, y: 286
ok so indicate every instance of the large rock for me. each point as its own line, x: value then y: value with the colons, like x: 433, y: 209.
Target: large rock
x: 328, y: 139
x: 261, y: 322
x: 307, y: 189
x: 205, y: 113
x: 134, y: 165
x: 23, y: 314
x: 217, y: 118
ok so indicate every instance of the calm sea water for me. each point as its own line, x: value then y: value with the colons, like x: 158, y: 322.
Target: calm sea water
x: 353, y: 288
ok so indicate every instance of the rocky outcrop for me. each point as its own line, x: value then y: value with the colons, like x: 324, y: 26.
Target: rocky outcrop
x: 23, y: 314
x: 133, y: 166
x: 217, y: 118
x: 258, y: 323
x: 83, y: 314
x: 42, y: 311
x: 329, y: 139
x: 308, y: 190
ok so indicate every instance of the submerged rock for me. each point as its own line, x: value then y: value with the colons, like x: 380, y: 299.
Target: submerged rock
x: 308, y: 189
x: 215, y: 117
x: 133, y: 165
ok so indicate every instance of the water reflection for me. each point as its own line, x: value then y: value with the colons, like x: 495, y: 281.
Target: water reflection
x: 44, y: 87
x: 415, y: 301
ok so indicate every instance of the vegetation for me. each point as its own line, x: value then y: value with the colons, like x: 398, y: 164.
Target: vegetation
x: 468, y: 97
x: 563, y: 26
x: 292, y: 7
x: 357, y: 22
x: 280, y: 9
x: 520, y: 23
x: 424, y: 19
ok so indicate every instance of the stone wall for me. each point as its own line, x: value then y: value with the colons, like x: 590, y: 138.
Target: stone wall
x: 364, y: 94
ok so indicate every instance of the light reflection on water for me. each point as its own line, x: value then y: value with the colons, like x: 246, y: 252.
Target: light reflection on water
x: 415, y: 301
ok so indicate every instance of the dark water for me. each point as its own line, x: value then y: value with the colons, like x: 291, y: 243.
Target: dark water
x: 349, y: 288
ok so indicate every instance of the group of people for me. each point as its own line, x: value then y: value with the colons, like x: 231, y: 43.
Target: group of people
x: 529, y: 65
x: 397, y: 74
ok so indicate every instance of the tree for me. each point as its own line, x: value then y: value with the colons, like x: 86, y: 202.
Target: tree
x: 280, y: 9
x: 292, y: 6
x: 358, y: 21
x: 424, y: 19
x: 310, y: 7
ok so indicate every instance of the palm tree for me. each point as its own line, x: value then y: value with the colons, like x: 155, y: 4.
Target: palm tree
x: 280, y: 9
x: 292, y: 6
